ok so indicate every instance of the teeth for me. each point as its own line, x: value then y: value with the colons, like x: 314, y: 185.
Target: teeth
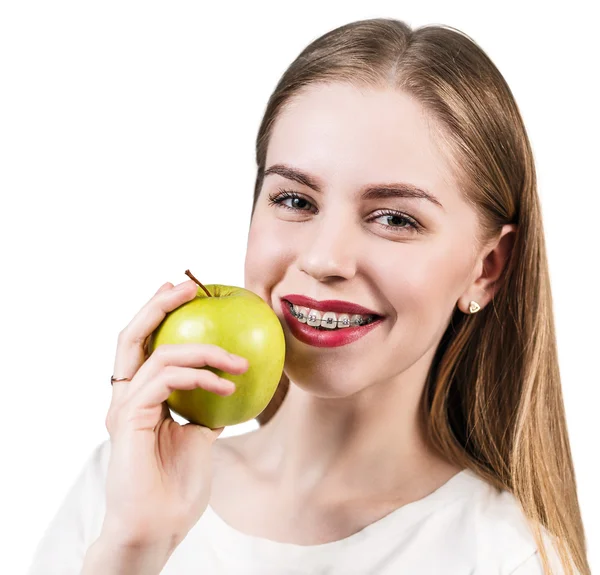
x: 314, y: 318
x: 301, y: 313
x: 329, y: 319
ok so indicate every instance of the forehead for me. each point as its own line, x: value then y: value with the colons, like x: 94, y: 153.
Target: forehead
x: 349, y: 135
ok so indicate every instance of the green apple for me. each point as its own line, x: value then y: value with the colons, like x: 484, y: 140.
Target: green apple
x: 241, y: 322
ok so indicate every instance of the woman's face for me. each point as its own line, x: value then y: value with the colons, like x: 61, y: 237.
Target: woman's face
x: 338, y: 244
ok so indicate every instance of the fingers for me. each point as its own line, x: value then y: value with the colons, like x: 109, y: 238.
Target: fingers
x: 212, y: 434
x: 144, y: 410
x: 132, y: 341
x: 192, y: 355
x: 171, y: 367
x: 173, y: 377
x: 164, y: 287
x: 155, y: 310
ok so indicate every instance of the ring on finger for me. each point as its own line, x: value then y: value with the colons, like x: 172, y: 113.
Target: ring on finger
x: 113, y: 379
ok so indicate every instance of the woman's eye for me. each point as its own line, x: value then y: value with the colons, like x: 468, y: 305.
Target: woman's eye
x: 296, y: 202
x: 398, y: 221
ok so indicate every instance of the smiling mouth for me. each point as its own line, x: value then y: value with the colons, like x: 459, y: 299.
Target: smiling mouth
x: 320, y: 323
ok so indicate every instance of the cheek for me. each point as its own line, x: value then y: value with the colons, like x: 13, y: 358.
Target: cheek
x: 267, y: 257
x: 424, y: 279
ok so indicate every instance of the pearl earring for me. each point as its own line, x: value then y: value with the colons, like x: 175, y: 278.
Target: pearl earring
x: 474, y: 307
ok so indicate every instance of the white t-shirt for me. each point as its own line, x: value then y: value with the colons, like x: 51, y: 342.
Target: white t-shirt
x: 463, y: 528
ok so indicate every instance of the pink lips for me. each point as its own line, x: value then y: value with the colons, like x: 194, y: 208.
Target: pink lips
x: 326, y: 338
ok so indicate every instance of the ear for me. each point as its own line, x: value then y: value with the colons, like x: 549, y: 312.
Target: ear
x: 489, y: 269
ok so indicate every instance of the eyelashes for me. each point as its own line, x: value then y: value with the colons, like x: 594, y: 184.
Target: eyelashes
x: 278, y: 199
x: 283, y: 195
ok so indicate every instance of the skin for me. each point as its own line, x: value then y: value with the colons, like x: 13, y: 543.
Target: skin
x: 347, y: 445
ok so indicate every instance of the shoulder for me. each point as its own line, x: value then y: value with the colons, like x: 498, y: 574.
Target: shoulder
x: 504, y: 534
x: 533, y: 564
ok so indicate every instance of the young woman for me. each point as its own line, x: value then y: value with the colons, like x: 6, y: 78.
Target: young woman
x: 396, y: 184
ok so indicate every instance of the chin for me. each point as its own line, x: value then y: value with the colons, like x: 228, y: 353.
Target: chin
x: 316, y: 381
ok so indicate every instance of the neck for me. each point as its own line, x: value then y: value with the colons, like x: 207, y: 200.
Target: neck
x: 371, y: 444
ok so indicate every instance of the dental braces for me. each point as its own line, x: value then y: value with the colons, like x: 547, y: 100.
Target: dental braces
x: 329, y: 321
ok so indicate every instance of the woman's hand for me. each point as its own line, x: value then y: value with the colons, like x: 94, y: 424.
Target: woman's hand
x: 160, y: 472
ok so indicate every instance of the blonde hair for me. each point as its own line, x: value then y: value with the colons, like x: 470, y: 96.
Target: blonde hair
x: 493, y: 399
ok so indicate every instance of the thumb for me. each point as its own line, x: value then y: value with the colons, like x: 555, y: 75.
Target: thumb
x: 210, y: 434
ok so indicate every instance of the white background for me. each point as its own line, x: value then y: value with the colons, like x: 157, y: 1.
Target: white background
x: 127, y: 156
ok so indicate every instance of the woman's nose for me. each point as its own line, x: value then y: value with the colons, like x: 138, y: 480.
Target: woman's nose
x: 328, y: 251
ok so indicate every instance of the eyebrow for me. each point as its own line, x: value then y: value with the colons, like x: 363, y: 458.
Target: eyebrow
x: 376, y: 192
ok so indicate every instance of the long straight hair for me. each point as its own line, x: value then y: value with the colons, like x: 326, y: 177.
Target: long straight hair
x: 493, y: 399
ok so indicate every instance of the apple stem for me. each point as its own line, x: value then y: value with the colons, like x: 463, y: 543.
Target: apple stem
x: 189, y: 274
